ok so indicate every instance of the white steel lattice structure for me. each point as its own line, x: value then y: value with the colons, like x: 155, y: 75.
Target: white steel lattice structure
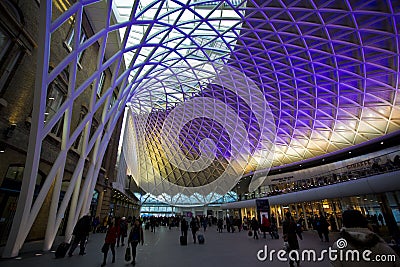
x: 297, y: 78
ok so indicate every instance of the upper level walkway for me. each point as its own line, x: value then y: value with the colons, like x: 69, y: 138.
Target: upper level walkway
x: 162, y: 249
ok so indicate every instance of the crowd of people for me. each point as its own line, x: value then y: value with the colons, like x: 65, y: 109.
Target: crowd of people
x: 354, y: 227
x: 116, y: 229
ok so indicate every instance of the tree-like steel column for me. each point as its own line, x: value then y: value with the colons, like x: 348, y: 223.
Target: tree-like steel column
x: 23, y: 212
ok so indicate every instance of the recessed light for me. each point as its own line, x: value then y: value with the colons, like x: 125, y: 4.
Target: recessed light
x: 381, y: 143
x: 349, y: 152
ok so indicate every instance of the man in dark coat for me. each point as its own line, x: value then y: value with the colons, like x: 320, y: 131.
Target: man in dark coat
x: 184, y: 227
x: 194, y: 226
x: 290, y: 236
x: 255, y: 226
x: 322, y: 228
x: 81, y: 232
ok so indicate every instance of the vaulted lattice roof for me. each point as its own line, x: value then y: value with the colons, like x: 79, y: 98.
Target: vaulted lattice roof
x: 276, y: 81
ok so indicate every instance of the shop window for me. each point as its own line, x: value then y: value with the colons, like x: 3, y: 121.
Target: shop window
x: 113, y: 100
x: 78, y: 142
x: 69, y: 41
x: 94, y: 126
x: 56, y: 95
x: 101, y: 84
x: 16, y: 173
x: 10, y: 53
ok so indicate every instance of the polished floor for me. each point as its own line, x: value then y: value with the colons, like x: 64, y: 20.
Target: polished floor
x: 162, y: 249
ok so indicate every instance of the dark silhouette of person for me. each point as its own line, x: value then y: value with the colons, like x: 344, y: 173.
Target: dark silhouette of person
x: 135, y: 237
x: 184, y: 227
x: 289, y: 228
x: 81, y: 232
x: 194, y: 226
x: 109, y: 242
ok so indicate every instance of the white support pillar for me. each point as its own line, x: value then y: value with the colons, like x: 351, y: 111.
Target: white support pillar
x: 75, y: 196
x: 17, y: 234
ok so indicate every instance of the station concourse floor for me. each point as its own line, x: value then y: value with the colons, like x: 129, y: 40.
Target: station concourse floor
x: 162, y: 249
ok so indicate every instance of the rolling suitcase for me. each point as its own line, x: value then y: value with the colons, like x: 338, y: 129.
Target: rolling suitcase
x: 183, y: 240
x: 200, y: 238
x: 62, y: 250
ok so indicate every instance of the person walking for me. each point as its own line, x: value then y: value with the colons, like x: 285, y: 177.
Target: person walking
x: 135, y: 237
x: 265, y: 225
x: 184, y: 227
x: 81, y: 233
x: 205, y: 223
x: 290, y: 236
x: 109, y: 242
x: 153, y: 224
x: 95, y: 224
x: 123, y: 231
x: 359, y: 237
x: 255, y: 226
x: 323, y: 228
x: 380, y: 218
x: 194, y: 227
x: 220, y: 225
x: 332, y: 221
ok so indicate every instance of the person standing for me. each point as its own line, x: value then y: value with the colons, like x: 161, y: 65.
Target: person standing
x: 135, y: 237
x: 81, y: 232
x: 290, y: 236
x: 109, y: 242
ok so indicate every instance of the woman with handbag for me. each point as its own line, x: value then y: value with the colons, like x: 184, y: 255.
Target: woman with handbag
x: 110, y: 240
x: 135, y: 236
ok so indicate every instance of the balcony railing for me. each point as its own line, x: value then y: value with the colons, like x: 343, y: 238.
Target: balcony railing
x: 365, y: 168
